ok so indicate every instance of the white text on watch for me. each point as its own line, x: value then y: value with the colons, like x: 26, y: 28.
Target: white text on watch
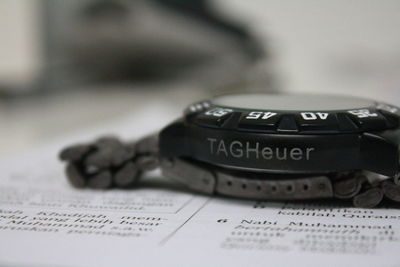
x: 255, y: 150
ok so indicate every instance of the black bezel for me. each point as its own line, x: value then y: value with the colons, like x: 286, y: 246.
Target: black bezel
x: 299, y: 141
x: 375, y: 117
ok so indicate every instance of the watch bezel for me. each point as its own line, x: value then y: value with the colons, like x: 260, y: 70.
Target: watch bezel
x: 377, y: 117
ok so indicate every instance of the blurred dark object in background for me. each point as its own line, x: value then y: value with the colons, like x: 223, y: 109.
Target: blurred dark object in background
x: 125, y: 41
x: 95, y: 61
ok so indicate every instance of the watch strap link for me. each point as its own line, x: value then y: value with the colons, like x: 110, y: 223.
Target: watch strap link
x: 108, y: 162
x: 352, y: 186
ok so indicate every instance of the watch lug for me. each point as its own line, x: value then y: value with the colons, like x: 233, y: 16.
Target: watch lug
x: 172, y: 139
x: 379, y: 153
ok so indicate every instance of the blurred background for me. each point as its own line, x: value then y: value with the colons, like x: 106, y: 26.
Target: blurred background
x: 76, y: 64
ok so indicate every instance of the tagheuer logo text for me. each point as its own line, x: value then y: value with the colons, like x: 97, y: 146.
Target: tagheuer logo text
x: 255, y: 150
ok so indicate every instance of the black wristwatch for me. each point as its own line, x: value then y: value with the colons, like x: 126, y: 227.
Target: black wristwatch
x: 262, y: 147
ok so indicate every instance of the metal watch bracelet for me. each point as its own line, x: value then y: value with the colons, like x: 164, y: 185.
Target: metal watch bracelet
x: 108, y: 163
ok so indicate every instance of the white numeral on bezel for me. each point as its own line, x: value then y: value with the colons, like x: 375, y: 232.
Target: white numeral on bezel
x: 218, y: 112
x: 314, y: 115
x: 363, y: 113
x: 255, y: 115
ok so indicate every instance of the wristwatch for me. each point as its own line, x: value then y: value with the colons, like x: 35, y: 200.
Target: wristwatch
x: 262, y: 147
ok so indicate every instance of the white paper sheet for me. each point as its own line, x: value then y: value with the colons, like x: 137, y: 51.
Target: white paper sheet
x: 45, y: 222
